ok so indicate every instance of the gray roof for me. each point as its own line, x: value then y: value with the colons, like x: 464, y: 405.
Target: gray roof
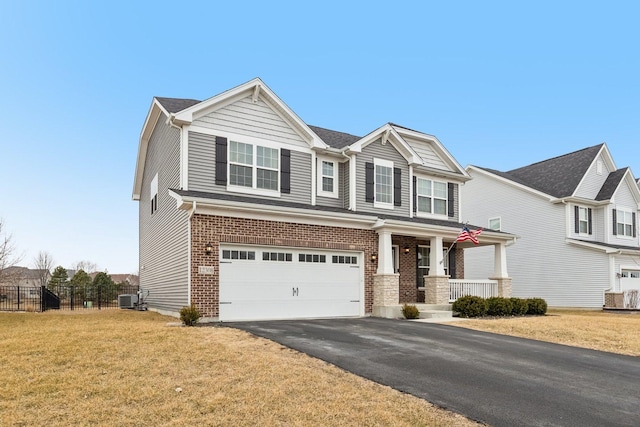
x: 559, y: 176
x: 278, y: 202
x: 334, y: 138
x: 611, y: 183
x: 609, y: 245
x: 173, y: 105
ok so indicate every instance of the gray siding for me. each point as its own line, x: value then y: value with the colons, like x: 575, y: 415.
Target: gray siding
x: 163, y: 235
x: 342, y: 196
x: 624, y: 200
x: 541, y: 263
x: 258, y: 120
x: 344, y: 176
x: 592, y: 182
x: 202, y: 163
x: 385, y: 152
x: 428, y: 155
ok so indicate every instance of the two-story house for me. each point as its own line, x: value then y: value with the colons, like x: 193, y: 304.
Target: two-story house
x: 576, y: 218
x: 249, y: 213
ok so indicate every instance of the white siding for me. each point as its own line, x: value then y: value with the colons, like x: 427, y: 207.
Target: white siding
x: 163, y: 235
x: 623, y: 199
x: 428, y: 155
x: 592, y: 182
x: 258, y: 120
x: 541, y: 263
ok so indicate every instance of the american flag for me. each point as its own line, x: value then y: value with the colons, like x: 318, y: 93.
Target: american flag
x: 467, y: 234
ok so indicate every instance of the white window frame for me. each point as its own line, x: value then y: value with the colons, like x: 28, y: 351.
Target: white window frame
x: 432, y: 197
x: 499, y: 220
x: 153, y: 194
x: 622, y: 213
x: 321, y: 176
x: 376, y: 202
x: 254, y: 169
x: 583, y: 210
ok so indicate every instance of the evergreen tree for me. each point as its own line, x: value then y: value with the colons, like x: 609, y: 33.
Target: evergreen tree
x: 58, y: 278
x: 102, y: 279
x: 81, y: 279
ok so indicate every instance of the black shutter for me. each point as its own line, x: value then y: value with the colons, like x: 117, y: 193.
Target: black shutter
x: 451, y: 208
x: 221, y: 160
x: 415, y: 194
x: 452, y: 263
x: 576, y: 210
x: 615, y: 223
x: 369, y: 182
x: 633, y: 220
x: 397, y: 187
x: 590, y: 222
x: 285, y: 171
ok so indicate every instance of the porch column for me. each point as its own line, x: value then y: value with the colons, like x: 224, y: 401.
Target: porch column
x: 386, y: 283
x: 385, y: 254
x: 436, y: 283
x: 500, y: 270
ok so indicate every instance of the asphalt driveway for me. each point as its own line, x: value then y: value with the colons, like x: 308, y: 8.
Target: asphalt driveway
x: 494, y: 379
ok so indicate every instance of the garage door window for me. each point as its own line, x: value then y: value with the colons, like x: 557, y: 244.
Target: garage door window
x: 277, y: 256
x: 340, y: 259
x: 630, y: 274
x: 312, y: 258
x: 229, y: 254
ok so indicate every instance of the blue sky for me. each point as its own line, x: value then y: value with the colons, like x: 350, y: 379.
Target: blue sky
x: 501, y: 84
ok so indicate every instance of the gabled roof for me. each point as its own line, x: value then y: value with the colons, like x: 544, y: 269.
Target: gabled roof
x: 334, y: 138
x: 611, y: 184
x: 174, y: 105
x: 559, y: 176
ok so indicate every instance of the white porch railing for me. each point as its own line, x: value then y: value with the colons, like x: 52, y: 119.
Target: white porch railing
x: 479, y: 288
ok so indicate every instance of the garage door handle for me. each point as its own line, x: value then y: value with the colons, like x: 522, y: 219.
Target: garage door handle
x: 224, y: 302
x: 295, y: 292
x: 355, y: 300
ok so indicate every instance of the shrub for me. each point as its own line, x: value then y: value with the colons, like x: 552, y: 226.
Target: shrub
x: 189, y: 315
x: 470, y: 306
x: 410, y: 311
x: 537, y: 306
x: 519, y: 306
x: 499, y: 306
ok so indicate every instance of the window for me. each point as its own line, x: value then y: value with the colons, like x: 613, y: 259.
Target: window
x: 233, y: 254
x: 327, y: 178
x: 424, y: 255
x: 312, y: 258
x: 153, y: 194
x: 277, y: 256
x: 495, y: 224
x: 340, y: 259
x: 583, y: 220
x: 624, y: 223
x: 383, y: 183
x: 253, y: 166
x: 630, y: 274
x: 431, y: 196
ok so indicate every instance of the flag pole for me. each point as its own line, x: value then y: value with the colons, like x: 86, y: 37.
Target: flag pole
x: 452, y: 245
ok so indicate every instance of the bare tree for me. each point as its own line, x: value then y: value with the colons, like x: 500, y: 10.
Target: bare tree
x: 134, y: 279
x: 8, y: 257
x: 87, y: 266
x: 43, y: 263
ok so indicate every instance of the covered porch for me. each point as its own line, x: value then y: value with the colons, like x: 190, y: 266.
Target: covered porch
x: 422, y: 264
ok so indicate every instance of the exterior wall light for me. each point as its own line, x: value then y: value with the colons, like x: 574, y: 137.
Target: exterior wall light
x: 407, y: 250
x: 374, y: 257
x: 208, y: 248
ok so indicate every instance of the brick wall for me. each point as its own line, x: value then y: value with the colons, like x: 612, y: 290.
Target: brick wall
x: 216, y: 229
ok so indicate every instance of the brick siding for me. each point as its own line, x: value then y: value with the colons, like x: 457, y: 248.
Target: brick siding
x: 217, y: 229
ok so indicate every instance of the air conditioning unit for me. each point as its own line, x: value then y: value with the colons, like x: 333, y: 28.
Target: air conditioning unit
x: 127, y: 300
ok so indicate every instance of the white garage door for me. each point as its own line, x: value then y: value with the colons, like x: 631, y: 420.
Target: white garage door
x: 260, y: 283
x: 629, y: 279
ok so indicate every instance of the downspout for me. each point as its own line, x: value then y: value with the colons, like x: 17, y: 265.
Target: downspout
x: 192, y: 211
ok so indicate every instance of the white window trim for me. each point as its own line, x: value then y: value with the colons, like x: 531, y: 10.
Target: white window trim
x: 422, y: 214
x: 586, y: 209
x: 626, y: 211
x: 319, y: 168
x: 376, y: 203
x: 495, y: 218
x: 153, y: 193
x: 254, y: 169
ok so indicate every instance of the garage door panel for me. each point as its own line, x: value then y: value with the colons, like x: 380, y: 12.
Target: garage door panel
x: 281, y: 283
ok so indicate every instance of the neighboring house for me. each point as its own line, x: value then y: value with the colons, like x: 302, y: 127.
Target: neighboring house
x: 23, y: 276
x: 576, y: 218
x: 249, y: 213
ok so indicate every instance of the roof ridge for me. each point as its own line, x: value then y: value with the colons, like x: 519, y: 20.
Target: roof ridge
x: 557, y: 157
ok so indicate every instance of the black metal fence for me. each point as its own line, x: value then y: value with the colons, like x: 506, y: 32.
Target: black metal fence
x: 63, y: 297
